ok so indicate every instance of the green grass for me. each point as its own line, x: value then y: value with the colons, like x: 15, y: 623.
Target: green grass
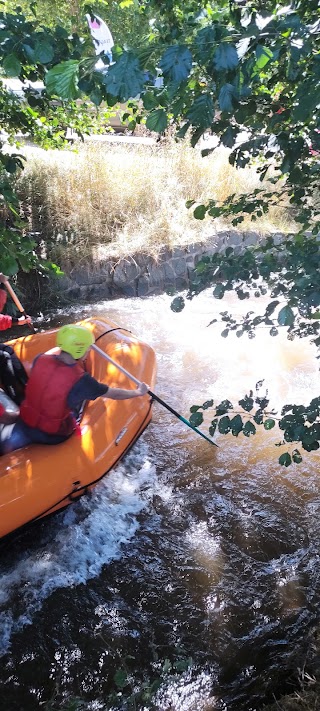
x: 119, y: 199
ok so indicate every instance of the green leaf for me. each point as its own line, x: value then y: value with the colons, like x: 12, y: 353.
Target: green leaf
x: 202, y: 111
x: 62, y: 79
x: 120, y: 678
x: 44, y: 52
x: 224, y: 406
x: 9, y: 264
x: 236, y: 425
x: 286, y: 316
x: 207, y: 404
x: 264, y: 55
x: 125, y: 79
x: 149, y: 101
x: 176, y: 63
x: 246, y: 403
x: 96, y: 96
x: 228, y: 138
x: 196, y: 419
x: 11, y: 65
x: 224, y: 425
x: 157, y: 121
x: 258, y: 417
x: 204, y: 43
x: 226, y: 95
x: 296, y: 456
x: 269, y: 424
x: 285, y: 459
x: 200, y: 212
x: 213, y: 427
x: 225, y: 57
x: 249, y: 429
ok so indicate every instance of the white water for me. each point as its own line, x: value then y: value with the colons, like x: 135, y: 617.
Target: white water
x: 80, y: 541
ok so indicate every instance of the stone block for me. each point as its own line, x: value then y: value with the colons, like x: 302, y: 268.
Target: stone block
x: 125, y: 273
x: 179, y: 266
x: 143, y: 286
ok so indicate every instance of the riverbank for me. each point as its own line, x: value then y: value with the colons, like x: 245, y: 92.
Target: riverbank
x: 113, y: 216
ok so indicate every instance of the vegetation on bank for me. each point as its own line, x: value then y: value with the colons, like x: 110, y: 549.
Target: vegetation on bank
x: 106, y: 199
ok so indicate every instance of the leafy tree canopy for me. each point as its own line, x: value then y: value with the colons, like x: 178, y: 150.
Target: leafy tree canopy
x: 247, y: 71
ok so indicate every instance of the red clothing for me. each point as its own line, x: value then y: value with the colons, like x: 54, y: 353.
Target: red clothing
x: 5, y: 322
x: 45, y: 405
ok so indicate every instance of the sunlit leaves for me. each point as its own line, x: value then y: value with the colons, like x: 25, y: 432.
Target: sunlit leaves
x: 264, y: 55
x: 62, y: 80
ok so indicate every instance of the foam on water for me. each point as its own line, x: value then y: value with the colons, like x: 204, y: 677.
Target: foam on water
x: 86, y: 537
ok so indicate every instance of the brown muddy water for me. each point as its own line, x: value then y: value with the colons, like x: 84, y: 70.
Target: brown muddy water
x: 190, y: 574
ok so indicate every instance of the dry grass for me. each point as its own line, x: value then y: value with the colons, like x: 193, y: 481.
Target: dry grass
x: 120, y: 199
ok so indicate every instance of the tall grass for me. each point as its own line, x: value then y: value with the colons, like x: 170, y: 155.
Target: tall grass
x: 115, y: 199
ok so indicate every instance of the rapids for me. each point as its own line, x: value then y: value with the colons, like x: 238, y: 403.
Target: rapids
x: 190, y: 573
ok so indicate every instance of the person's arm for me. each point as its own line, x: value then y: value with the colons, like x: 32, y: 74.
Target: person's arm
x: 22, y: 320
x: 8, y: 321
x: 121, y: 394
x: 5, y: 322
x: 88, y: 388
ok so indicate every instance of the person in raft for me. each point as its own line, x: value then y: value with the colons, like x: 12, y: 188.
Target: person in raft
x: 12, y: 373
x: 56, y: 389
x: 5, y: 320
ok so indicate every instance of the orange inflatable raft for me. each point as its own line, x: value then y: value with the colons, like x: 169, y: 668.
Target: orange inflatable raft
x: 41, y: 479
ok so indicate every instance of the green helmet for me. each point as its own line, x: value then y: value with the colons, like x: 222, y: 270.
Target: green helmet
x: 74, y: 340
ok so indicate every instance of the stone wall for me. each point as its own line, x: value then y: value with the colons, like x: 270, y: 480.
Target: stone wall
x: 143, y: 275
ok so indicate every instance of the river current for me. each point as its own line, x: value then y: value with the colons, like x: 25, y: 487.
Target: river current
x: 191, y: 573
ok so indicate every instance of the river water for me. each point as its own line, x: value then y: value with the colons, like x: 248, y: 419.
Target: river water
x: 191, y: 573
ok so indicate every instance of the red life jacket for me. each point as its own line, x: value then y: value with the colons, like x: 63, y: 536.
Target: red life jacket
x: 45, y: 405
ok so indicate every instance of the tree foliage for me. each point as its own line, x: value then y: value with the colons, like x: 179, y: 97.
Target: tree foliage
x: 37, y: 50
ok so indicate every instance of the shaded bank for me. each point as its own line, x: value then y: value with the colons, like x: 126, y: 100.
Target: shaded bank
x: 140, y: 274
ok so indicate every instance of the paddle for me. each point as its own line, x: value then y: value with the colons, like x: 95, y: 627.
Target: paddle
x: 17, y: 302
x: 153, y: 395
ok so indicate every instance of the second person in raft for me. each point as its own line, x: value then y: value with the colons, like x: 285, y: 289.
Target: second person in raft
x: 57, y: 386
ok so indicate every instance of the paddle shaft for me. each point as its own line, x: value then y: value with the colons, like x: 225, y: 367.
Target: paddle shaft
x: 15, y: 298
x: 17, y: 302
x: 153, y: 395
